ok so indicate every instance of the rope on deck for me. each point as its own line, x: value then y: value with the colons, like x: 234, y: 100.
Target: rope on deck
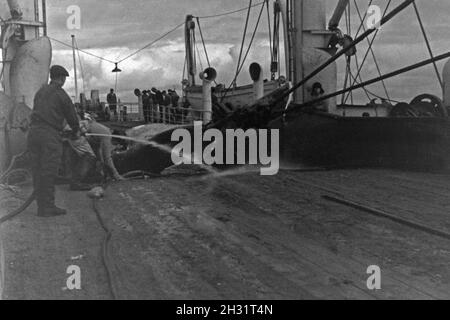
x: 386, y: 215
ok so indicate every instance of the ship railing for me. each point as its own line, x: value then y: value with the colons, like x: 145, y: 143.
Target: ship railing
x: 157, y: 114
x: 173, y: 115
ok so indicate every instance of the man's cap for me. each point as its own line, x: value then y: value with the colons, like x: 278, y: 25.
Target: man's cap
x: 58, y: 71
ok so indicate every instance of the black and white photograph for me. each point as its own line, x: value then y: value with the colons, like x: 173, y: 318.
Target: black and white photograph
x: 224, y: 155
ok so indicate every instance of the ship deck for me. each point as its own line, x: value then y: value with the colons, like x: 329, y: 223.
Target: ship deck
x: 242, y: 237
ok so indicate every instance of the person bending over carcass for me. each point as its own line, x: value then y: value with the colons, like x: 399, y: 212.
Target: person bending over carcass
x: 102, y: 146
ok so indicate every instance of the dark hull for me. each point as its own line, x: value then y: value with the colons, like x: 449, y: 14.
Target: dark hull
x: 316, y: 139
x: 325, y: 140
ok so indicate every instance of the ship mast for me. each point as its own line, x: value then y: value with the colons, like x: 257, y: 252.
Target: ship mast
x: 75, y: 68
x: 305, y: 28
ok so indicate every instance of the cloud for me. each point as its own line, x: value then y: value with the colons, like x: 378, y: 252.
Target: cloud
x: 116, y: 28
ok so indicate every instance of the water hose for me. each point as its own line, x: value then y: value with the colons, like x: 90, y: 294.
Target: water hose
x: 135, y: 175
x: 28, y: 201
x: 9, y: 170
x: 18, y: 211
x: 106, y: 260
x: 105, y: 251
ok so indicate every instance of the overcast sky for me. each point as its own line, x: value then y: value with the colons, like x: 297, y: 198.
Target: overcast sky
x: 115, y: 28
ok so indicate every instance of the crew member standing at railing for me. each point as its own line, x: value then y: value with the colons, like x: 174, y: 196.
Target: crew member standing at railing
x: 166, y: 107
x: 158, y: 103
x: 146, y: 105
x: 175, y: 98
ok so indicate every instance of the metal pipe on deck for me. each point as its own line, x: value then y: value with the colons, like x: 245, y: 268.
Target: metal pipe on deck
x: 208, y: 76
x: 257, y: 75
x: 189, y: 48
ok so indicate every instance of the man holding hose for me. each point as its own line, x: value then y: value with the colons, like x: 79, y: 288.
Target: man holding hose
x: 52, y: 107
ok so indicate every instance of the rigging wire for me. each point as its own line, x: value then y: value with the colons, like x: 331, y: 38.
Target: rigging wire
x: 153, y: 42
x: 349, y: 59
x: 369, y: 92
x: 361, y: 79
x: 243, y: 41
x: 81, y: 66
x: 5, y: 50
x: 159, y: 38
x: 199, y: 56
x: 251, y: 42
x: 3, y: 63
x: 277, y: 40
x: 127, y: 57
x: 366, y: 91
x: 204, y: 48
x: 203, y: 42
x: 372, y: 51
x: 274, y: 42
x: 428, y: 44
x: 232, y: 12
x: 270, y: 30
x: 371, y: 42
x: 195, y: 52
x: 363, y: 19
x: 246, y: 54
x: 297, y: 107
x: 346, y: 61
x: 184, y: 69
x: 81, y: 50
x: 349, y: 13
x: 343, y: 51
